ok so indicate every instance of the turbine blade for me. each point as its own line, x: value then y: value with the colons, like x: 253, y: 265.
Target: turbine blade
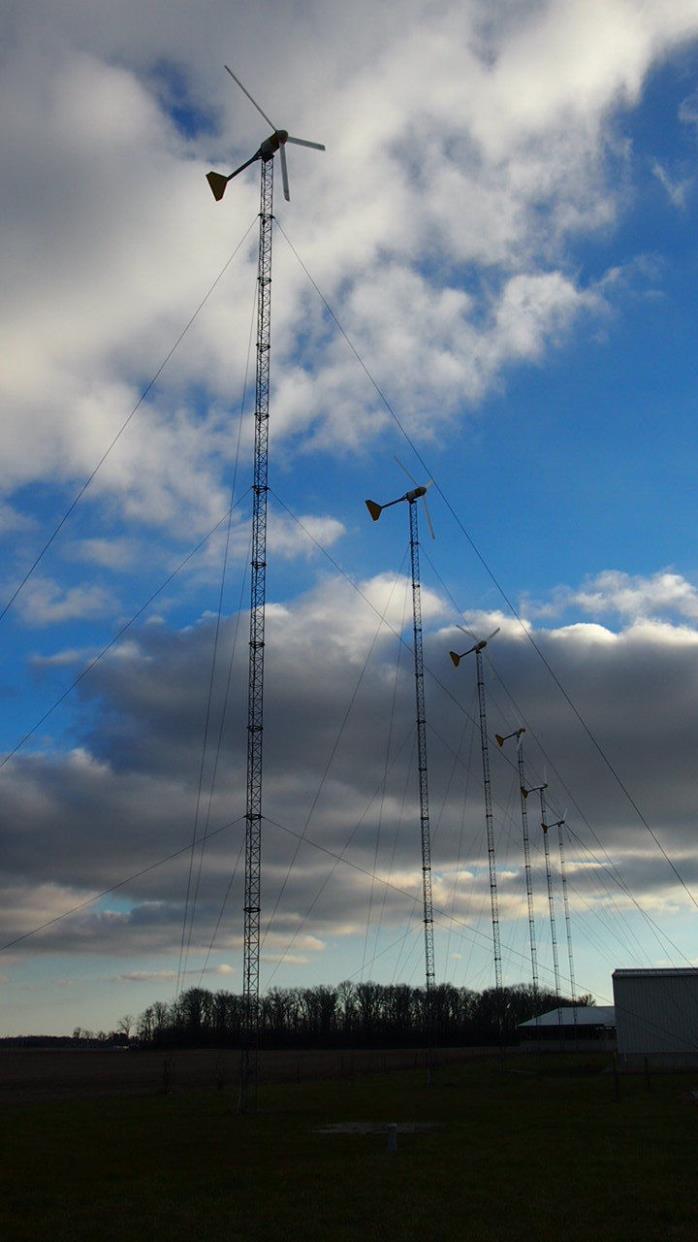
x: 284, y: 174
x: 490, y: 636
x: 301, y: 142
x: 406, y: 471
x: 252, y: 101
x: 427, y: 515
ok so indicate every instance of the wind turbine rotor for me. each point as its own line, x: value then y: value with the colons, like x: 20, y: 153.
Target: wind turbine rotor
x: 284, y: 172
x: 420, y: 491
x: 405, y: 470
x: 427, y: 510
x: 252, y: 101
x: 427, y: 515
x: 302, y: 142
x: 270, y: 146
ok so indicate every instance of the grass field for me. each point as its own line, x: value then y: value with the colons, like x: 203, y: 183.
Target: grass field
x: 539, y: 1150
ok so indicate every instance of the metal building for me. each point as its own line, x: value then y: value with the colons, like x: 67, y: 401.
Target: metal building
x: 559, y: 1030
x: 657, y: 1014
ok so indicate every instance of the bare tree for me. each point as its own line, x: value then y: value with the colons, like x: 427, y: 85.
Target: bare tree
x: 125, y: 1025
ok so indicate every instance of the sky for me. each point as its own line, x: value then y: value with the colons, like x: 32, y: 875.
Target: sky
x: 489, y: 275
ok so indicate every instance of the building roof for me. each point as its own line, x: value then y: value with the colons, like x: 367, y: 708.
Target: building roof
x: 586, y: 1015
x: 637, y: 972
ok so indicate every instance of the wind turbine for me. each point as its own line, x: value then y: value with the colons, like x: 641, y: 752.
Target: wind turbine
x: 275, y: 142
x: 478, y: 649
x: 518, y: 734
x: 419, y: 492
x: 249, y: 1066
x: 540, y: 790
x: 560, y: 824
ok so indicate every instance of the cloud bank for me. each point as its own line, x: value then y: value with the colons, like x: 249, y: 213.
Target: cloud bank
x: 340, y: 781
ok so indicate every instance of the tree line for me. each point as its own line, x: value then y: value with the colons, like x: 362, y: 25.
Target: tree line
x: 348, y: 1015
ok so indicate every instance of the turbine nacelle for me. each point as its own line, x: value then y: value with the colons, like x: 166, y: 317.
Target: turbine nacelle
x: 517, y: 734
x: 477, y: 648
x: 272, y: 144
x: 415, y: 494
x: 375, y: 509
x: 533, y: 789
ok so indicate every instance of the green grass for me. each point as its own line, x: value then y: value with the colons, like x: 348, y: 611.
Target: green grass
x: 526, y: 1156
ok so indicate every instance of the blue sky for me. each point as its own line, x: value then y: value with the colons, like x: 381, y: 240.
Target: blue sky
x: 504, y: 224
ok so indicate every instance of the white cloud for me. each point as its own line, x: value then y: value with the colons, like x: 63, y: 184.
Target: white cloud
x: 12, y: 521
x: 688, y: 109
x: 496, y: 157
x: 65, y: 658
x: 632, y: 597
x: 676, y: 190
x: 116, y: 553
x: 46, y: 602
x: 170, y: 976
x: 290, y: 538
x: 584, y: 633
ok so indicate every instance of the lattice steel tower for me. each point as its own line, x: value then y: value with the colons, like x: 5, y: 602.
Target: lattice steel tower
x: 255, y: 688
x: 540, y: 789
x: 487, y: 787
x: 255, y: 693
x: 560, y: 824
x: 523, y: 795
x: 425, y: 830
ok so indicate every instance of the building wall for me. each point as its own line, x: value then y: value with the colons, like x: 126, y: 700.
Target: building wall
x: 656, y: 1012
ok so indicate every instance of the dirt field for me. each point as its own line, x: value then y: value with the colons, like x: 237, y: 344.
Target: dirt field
x: 45, y: 1074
